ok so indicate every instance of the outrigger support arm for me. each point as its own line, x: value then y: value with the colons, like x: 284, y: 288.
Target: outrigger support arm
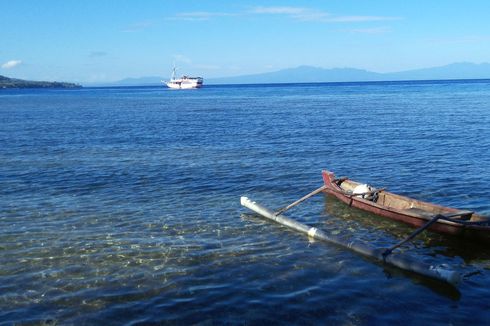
x: 311, y: 194
x: 413, y: 235
x: 302, y: 199
x: 424, y: 227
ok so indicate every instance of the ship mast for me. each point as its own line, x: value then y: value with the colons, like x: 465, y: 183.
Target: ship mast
x: 173, y: 72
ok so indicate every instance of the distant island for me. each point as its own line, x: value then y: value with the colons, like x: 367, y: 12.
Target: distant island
x: 6, y: 82
x: 309, y: 74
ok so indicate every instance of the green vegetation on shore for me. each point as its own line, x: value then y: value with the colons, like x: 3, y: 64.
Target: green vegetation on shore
x: 6, y: 82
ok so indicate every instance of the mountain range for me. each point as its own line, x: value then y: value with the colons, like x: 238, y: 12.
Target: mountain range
x: 309, y: 74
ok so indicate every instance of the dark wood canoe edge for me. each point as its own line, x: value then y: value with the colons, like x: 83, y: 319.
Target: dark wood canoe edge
x: 479, y: 231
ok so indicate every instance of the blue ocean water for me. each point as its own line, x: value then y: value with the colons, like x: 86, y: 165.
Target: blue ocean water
x: 121, y: 205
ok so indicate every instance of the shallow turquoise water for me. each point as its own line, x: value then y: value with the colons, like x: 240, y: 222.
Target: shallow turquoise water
x: 121, y: 206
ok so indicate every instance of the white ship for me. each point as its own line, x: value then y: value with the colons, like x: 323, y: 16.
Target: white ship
x: 184, y: 82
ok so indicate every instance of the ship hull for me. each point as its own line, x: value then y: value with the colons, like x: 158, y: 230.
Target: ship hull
x: 185, y: 83
x: 183, y: 86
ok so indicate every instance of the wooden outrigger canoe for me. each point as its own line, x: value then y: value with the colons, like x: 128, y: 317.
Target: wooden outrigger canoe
x: 383, y: 203
x: 407, y: 210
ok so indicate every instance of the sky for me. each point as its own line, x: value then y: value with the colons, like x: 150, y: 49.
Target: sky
x: 97, y: 41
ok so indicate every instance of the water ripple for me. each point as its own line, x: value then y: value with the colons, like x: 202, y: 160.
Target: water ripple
x: 121, y: 206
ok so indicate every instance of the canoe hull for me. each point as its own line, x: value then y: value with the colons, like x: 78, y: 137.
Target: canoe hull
x: 479, y: 232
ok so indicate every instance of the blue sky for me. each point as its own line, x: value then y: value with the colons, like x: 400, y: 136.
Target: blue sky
x: 107, y: 40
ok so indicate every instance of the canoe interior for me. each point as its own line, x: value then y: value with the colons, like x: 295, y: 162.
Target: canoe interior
x: 411, y: 206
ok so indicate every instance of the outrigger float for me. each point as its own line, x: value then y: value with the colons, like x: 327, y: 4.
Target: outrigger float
x: 380, y: 202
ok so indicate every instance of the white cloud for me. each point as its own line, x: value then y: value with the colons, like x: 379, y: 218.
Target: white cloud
x: 200, y: 15
x: 182, y: 58
x: 361, y: 19
x: 279, y: 10
x: 295, y: 13
x: 186, y: 62
x: 306, y: 14
x: 138, y: 26
x: 11, y: 64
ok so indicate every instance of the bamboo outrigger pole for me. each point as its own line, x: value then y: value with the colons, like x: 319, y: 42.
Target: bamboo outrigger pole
x: 395, y: 259
x: 282, y: 210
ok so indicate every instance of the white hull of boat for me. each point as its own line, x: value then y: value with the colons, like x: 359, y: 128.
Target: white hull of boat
x: 183, y: 85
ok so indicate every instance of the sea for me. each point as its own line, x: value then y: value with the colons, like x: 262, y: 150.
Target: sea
x: 121, y: 206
